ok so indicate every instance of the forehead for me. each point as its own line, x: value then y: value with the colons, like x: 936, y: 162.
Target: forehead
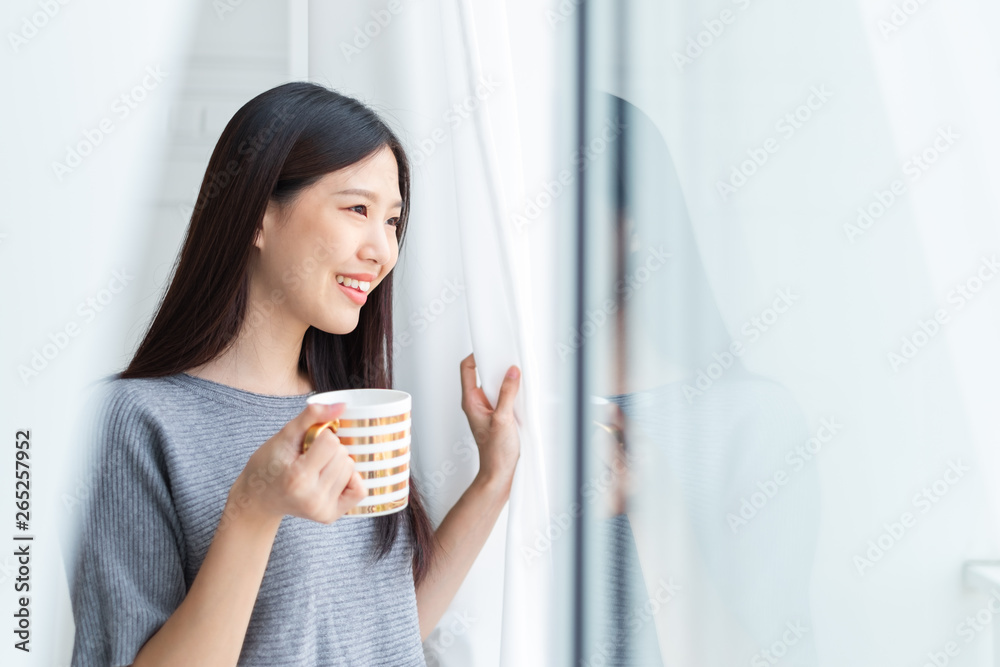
x: 376, y: 177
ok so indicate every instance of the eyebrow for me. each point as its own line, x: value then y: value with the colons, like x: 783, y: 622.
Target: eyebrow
x: 365, y: 193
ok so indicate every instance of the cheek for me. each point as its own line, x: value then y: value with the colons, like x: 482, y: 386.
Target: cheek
x: 309, y: 268
x: 298, y: 275
x: 394, y: 245
x: 315, y: 261
x: 276, y: 267
x: 389, y: 267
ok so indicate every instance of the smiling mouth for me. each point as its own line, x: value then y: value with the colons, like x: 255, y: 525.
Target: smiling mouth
x: 354, y: 294
x: 360, y: 285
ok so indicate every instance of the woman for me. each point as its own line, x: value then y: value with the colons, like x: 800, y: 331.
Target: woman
x: 210, y: 539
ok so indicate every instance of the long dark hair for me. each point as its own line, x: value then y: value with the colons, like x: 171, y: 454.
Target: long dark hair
x: 278, y: 143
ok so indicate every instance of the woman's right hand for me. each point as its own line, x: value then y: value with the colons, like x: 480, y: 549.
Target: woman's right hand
x: 279, y: 479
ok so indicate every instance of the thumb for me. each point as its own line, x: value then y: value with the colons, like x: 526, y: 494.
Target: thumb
x: 317, y: 413
x: 314, y: 413
x: 511, y: 381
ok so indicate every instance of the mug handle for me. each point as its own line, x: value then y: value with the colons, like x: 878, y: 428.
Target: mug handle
x: 315, y: 430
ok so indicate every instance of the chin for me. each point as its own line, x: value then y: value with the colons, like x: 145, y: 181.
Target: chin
x: 342, y: 326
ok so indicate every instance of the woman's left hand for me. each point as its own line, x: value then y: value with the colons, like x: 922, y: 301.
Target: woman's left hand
x: 494, y: 429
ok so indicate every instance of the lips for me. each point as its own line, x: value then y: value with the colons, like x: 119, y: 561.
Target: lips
x: 355, y: 295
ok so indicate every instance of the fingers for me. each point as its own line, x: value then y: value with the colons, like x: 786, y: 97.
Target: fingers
x: 508, y: 390
x: 322, y: 450
x: 342, y: 483
x: 354, y: 492
x: 467, y: 369
x: 320, y: 483
x: 314, y: 413
x: 337, y: 472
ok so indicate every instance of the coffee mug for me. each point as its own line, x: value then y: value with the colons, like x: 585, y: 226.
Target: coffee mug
x: 375, y: 429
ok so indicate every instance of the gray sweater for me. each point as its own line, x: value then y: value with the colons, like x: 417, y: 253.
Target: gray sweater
x: 166, y: 452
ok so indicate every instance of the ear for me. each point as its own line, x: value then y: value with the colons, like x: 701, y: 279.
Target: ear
x: 267, y: 224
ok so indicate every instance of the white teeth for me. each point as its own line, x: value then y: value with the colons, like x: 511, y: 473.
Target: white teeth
x: 360, y: 285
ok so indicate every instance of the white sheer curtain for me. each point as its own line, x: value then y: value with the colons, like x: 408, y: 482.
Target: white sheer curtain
x: 467, y: 91
x: 489, y: 177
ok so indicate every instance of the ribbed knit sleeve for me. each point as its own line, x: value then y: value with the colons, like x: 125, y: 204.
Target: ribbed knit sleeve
x: 128, y: 573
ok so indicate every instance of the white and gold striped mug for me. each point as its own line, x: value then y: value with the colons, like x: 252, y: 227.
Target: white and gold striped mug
x: 375, y: 428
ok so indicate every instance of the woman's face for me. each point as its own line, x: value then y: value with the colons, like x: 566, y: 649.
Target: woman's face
x: 341, y: 230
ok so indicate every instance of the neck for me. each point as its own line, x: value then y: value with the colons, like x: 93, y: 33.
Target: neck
x: 264, y: 358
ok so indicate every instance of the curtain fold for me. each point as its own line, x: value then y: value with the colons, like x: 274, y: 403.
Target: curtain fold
x: 489, y: 178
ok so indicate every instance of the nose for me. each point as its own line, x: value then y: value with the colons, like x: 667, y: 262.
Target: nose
x: 375, y: 246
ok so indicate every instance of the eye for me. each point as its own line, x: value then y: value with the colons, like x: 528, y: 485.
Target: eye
x: 393, y: 221
x: 361, y: 206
